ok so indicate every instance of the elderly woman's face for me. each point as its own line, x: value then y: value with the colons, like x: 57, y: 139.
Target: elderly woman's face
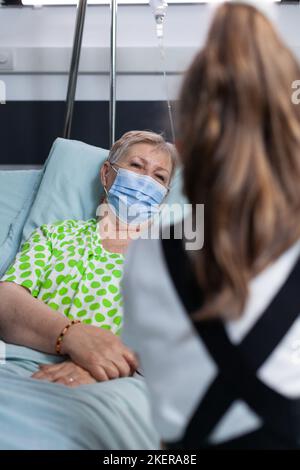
x: 144, y: 159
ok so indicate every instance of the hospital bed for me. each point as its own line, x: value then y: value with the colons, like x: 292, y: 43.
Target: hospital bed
x: 68, y: 186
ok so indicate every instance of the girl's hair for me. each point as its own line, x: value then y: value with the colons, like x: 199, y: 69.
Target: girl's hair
x: 240, y: 146
x: 121, y: 146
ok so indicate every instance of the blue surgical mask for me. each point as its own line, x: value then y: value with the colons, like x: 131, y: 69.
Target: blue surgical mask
x: 135, y: 198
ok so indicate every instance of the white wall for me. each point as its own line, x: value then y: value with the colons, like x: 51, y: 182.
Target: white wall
x: 39, y: 41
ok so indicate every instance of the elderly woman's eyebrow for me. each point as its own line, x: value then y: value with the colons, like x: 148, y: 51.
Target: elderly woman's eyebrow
x: 160, y: 168
x: 146, y: 161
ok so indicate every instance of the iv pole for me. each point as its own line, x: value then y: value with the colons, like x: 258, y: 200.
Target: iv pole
x: 113, y: 72
x: 73, y: 74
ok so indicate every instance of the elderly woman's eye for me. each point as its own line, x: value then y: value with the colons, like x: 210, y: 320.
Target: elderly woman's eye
x: 161, y: 178
x: 136, y: 165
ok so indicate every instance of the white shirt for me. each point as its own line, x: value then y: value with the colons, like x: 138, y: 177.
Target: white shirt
x: 176, y: 365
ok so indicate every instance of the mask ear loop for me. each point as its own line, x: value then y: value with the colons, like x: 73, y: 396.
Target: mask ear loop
x: 106, y: 194
x: 163, y: 201
x: 104, y: 187
x: 112, y: 166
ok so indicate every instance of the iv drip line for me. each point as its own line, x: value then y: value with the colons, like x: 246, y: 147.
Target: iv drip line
x: 159, y: 8
x: 165, y: 78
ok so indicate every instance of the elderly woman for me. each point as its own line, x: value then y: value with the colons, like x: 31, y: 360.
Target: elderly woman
x: 62, y: 293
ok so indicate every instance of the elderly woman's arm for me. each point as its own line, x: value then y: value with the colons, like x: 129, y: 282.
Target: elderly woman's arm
x: 29, y: 322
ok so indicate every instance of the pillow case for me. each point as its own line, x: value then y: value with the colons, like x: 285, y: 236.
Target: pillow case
x: 18, y: 189
x: 70, y: 187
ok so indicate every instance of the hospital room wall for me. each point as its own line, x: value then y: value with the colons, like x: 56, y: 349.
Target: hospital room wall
x: 39, y: 41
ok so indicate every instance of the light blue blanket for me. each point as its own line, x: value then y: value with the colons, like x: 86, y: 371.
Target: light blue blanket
x: 41, y: 415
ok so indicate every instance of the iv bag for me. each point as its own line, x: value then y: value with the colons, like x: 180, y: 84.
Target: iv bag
x: 159, y: 8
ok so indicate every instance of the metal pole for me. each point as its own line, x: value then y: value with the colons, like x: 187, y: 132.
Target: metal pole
x: 73, y: 74
x: 113, y: 72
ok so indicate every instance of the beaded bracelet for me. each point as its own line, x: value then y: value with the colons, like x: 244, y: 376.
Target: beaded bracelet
x: 63, y: 334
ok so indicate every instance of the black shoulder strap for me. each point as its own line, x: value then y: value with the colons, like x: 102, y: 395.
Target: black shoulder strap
x: 182, y: 273
x: 242, y: 361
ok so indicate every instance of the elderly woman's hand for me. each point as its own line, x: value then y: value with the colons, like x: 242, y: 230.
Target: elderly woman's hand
x: 99, y: 352
x: 66, y: 373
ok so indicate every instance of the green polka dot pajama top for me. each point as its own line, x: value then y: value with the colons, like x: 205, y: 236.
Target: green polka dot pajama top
x: 65, y: 265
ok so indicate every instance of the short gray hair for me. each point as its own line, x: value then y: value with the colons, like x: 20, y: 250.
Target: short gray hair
x: 121, y: 146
